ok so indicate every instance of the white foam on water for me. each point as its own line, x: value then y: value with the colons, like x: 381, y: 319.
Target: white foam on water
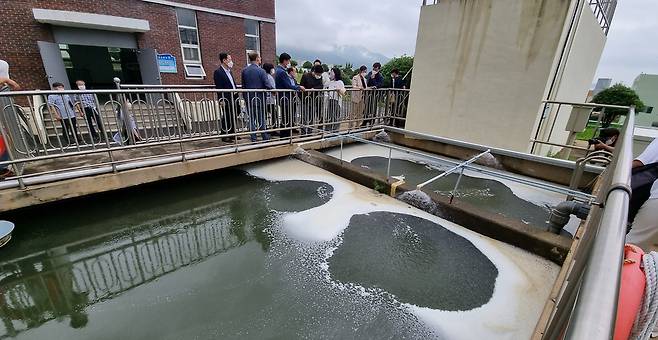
x: 524, y: 280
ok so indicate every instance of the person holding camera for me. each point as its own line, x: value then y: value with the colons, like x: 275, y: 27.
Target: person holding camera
x: 606, y: 140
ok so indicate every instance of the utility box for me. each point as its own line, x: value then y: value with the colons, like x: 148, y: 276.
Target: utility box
x: 579, y: 118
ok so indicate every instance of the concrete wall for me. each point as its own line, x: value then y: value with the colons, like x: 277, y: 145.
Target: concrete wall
x: 646, y: 86
x: 481, y: 68
x: 576, y: 78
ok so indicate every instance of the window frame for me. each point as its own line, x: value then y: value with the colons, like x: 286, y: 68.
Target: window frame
x: 248, y: 35
x: 191, y: 62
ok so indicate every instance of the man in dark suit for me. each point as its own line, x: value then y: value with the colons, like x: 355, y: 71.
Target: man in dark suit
x: 255, y: 78
x: 228, y: 101
x: 285, y: 82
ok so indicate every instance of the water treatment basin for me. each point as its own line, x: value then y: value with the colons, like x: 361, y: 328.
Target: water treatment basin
x: 280, y: 249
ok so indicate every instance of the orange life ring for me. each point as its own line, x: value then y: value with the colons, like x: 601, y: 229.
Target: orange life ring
x: 3, y: 149
x: 631, y: 291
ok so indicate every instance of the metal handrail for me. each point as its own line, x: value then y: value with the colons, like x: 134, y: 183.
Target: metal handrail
x: 507, y: 176
x: 453, y: 169
x: 596, y: 305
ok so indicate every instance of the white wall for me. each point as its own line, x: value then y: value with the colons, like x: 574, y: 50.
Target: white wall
x: 481, y: 68
x: 576, y: 79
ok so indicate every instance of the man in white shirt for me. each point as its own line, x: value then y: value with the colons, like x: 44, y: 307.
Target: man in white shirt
x: 644, y: 232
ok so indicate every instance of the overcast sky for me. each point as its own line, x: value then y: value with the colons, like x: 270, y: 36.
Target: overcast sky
x: 389, y: 27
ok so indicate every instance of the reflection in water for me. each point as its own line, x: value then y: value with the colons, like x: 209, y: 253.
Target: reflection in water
x: 487, y: 194
x: 60, y: 282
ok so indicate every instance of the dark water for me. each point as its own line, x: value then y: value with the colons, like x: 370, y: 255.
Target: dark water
x: 204, y: 258
x: 487, y: 194
x: 439, y: 269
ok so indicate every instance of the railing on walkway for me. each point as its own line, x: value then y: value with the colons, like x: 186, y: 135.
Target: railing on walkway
x: 604, y: 11
x: 116, y: 129
x: 583, y: 304
x: 561, y: 122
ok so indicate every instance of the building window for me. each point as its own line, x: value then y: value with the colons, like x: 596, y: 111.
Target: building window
x: 252, y: 36
x: 189, y: 42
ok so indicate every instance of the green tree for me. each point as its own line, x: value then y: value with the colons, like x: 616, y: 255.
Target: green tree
x: 347, y: 73
x: 293, y: 63
x: 307, y: 65
x: 403, y: 63
x: 325, y: 67
x: 618, y: 94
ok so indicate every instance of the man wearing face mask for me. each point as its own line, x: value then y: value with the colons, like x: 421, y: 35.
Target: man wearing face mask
x: 375, y: 80
x: 359, y: 84
x: 283, y: 81
x: 312, y: 113
x: 87, y: 104
x: 229, y: 100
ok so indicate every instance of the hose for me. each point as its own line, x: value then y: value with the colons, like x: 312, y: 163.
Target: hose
x: 648, y: 315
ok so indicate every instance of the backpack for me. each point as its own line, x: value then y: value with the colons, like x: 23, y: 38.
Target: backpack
x: 642, y: 180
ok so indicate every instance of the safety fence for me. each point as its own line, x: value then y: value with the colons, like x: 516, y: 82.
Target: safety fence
x: 46, y: 130
x: 583, y: 302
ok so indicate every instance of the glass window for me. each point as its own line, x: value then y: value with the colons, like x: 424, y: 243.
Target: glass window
x: 251, y: 36
x: 191, y: 54
x: 189, y: 36
x: 252, y: 43
x: 186, y: 17
x: 251, y: 27
x: 194, y: 71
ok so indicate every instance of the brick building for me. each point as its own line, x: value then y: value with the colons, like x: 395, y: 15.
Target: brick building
x: 46, y: 41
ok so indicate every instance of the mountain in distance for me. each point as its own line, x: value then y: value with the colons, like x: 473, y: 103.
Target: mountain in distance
x: 339, y: 55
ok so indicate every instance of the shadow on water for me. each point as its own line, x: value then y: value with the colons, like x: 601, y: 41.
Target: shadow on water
x: 487, y: 194
x: 71, y: 255
x: 414, y: 259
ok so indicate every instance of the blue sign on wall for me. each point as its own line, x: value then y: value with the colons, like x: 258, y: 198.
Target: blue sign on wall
x: 167, y: 63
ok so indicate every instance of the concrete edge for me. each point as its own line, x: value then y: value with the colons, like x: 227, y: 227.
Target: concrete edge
x: 13, y: 199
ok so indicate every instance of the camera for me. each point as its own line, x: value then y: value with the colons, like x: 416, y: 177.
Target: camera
x: 595, y: 141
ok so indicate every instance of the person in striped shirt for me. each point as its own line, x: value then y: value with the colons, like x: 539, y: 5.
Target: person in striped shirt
x: 87, y: 102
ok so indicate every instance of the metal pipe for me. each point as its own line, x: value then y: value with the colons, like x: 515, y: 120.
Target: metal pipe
x: 450, y: 171
x: 514, y: 178
x: 561, y: 214
x: 496, y: 151
x: 595, y: 311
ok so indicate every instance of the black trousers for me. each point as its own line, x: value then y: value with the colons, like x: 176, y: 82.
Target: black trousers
x: 70, y: 131
x: 231, y: 107
x: 93, y: 121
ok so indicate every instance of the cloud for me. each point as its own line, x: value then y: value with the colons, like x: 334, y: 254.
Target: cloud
x: 388, y: 27
x: 632, y: 46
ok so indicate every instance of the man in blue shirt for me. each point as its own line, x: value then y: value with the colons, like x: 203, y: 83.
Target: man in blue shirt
x: 87, y: 102
x: 63, y: 109
x: 255, y: 78
x: 283, y: 81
